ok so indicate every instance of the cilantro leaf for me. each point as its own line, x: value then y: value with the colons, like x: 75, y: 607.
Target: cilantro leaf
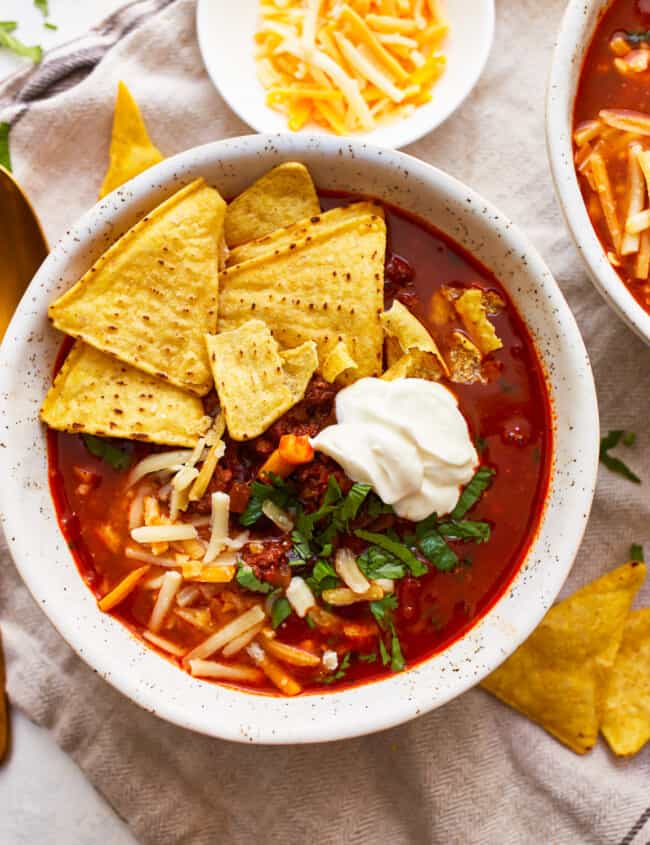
x: 119, y: 459
x: 636, y: 552
x: 280, y: 611
x: 436, y: 550
x: 323, y: 577
x: 49, y: 25
x: 368, y: 658
x: 16, y: 46
x: 8, y: 26
x: 398, y: 550
x: 349, y: 507
x: 465, y: 529
x: 382, y: 612
x: 43, y: 7
x: 473, y: 492
x: 344, y: 665
x: 247, y: 579
x: 5, y: 158
x: 375, y: 562
x: 278, y: 491
x: 375, y: 507
x: 611, y: 440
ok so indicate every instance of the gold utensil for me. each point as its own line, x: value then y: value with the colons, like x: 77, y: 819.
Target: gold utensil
x: 22, y: 246
x: 22, y: 250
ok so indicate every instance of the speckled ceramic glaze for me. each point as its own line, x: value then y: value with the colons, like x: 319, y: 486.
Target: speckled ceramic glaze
x: 578, y: 25
x: 41, y: 554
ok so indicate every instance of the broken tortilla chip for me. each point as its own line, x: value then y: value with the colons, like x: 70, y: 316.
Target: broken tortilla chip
x: 405, y: 332
x: 95, y: 394
x: 415, y: 364
x: 338, y: 361
x: 131, y: 149
x: 626, y: 702
x: 299, y: 366
x: 465, y: 359
x: 279, y: 198
x: 327, y: 287
x: 283, y: 238
x: 152, y: 296
x: 255, y: 384
x: 557, y: 676
x: 472, y: 310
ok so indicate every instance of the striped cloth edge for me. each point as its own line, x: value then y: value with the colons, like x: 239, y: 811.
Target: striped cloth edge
x: 70, y: 63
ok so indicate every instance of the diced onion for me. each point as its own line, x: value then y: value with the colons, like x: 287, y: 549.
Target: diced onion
x: 330, y: 660
x: 277, y: 516
x: 164, y: 533
x: 299, y: 596
x: 229, y: 632
x: 349, y: 572
x: 170, y: 586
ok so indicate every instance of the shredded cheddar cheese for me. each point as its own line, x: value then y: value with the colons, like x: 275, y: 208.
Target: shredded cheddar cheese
x: 349, y: 66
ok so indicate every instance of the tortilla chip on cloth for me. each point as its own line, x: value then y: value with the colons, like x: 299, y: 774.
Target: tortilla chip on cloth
x: 132, y: 150
x: 152, y: 296
x: 95, y: 394
x: 255, y: 382
x: 626, y: 705
x: 326, y: 287
x: 279, y: 198
x: 557, y: 676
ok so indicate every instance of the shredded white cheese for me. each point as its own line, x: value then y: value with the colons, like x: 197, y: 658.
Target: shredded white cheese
x: 387, y: 584
x: 158, y: 462
x: 299, y: 596
x: 219, y: 526
x: 229, y: 632
x: 164, y: 533
x: 170, y: 586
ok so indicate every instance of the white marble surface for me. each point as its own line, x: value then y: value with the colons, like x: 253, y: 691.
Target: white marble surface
x: 44, y: 797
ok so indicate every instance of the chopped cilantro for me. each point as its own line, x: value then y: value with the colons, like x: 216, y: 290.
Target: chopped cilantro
x: 473, y: 492
x: 350, y: 505
x: 376, y: 562
x: 611, y: 441
x: 397, y: 549
x: 247, y: 579
x: 375, y: 507
x: 119, y: 459
x: 280, y: 611
x: 5, y: 158
x: 43, y: 7
x: 278, y: 491
x: 434, y: 547
x: 382, y: 611
x: 344, y: 665
x: 323, y: 577
x: 368, y: 658
x: 35, y: 53
x: 310, y: 622
x: 481, y: 444
x: 465, y: 529
x: 636, y: 552
x: 49, y: 25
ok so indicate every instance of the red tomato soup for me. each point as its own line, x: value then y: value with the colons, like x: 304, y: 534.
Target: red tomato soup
x: 505, y: 402
x: 612, y: 140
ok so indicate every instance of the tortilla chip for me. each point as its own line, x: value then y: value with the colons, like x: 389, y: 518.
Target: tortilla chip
x: 337, y: 362
x: 254, y: 382
x: 299, y: 366
x: 95, y: 394
x: 472, y: 311
x: 131, y: 149
x: 150, y: 299
x: 626, y: 705
x: 465, y: 359
x: 557, y: 676
x: 279, y: 198
x: 282, y: 238
x: 405, y: 332
x: 327, y: 288
x: 415, y: 364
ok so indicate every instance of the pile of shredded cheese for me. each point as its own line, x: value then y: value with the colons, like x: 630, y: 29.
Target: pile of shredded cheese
x: 349, y: 66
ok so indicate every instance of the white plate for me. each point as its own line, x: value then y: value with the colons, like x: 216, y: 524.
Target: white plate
x: 574, y: 38
x: 226, y: 42
x: 44, y: 560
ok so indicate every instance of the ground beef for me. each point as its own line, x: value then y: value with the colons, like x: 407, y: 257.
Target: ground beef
x: 269, y: 560
x: 311, y: 479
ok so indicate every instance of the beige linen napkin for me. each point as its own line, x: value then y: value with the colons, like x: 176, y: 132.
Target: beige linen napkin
x: 471, y: 772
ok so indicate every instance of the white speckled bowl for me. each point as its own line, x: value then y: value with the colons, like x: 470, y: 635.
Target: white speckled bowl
x: 574, y: 38
x: 42, y: 556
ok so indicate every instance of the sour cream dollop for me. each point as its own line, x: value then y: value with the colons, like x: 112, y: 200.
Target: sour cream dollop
x: 406, y: 438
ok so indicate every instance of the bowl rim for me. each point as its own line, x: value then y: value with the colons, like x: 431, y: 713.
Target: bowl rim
x: 574, y: 38
x: 397, y: 135
x: 350, y: 712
